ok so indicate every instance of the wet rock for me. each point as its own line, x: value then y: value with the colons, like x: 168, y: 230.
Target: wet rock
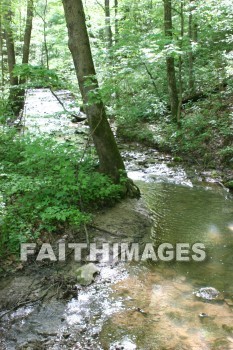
x: 203, y: 315
x: 152, y: 160
x: 129, y: 219
x: 86, y: 273
x: 80, y: 132
x: 229, y: 302
x: 142, y: 162
x: 207, y: 293
x: 125, y: 344
x: 66, y: 335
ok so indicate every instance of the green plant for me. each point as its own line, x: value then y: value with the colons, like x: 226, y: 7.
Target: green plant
x: 45, y: 186
x: 37, y: 76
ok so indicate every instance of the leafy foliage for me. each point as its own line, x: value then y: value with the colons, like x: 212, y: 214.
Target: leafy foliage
x: 37, y: 76
x: 46, y: 186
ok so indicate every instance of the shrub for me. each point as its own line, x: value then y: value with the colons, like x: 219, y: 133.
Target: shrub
x: 45, y: 185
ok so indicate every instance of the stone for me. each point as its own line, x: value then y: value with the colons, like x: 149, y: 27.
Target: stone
x: 229, y: 302
x: 86, y: 273
x: 207, y: 293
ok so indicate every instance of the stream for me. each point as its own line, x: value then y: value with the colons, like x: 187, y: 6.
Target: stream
x: 145, y: 305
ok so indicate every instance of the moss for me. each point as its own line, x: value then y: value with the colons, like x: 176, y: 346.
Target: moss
x: 229, y: 184
x: 177, y: 159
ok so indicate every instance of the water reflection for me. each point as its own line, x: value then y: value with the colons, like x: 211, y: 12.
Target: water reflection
x: 185, y: 214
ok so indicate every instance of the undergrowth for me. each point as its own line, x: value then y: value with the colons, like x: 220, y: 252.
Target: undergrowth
x: 204, y: 135
x: 45, y: 186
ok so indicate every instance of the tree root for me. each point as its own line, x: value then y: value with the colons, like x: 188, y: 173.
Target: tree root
x: 132, y: 190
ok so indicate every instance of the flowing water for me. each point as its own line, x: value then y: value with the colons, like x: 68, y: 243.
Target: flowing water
x: 172, y: 316
x: 145, y: 305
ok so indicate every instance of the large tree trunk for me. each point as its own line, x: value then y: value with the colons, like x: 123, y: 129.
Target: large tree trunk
x: 170, y: 62
x: 110, y: 159
x: 108, y: 29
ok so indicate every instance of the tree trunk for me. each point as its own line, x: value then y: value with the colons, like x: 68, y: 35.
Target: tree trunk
x: 17, y: 92
x: 15, y: 97
x: 26, y: 53
x: 181, y: 61
x: 10, y: 43
x: 192, y: 32
x: 28, y: 32
x: 170, y: 62
x: 1, y: 48
x: 110, y: 159
x: 108, y: 29
x: 116, y: 21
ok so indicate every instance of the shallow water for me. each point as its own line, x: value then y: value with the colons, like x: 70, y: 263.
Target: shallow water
x: 195, y: 214
x: 171, y: 317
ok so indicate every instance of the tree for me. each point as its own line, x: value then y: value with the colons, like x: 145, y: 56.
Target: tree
x: 111, y: 162
x: 45, y: 44
x: 116, y: 21
x: 14, y: 100
x: 26, y: 49
x: 1, y: 46
x: 181, y: 61
x: 170, y: 61
x: 192, y: 32
x: 108, y: 29
x: 10, y: 42
x: 17, y: 91
x: 28, y: 32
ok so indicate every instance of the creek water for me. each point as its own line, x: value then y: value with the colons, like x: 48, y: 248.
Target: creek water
x: 172, y: 315
x: 144, y: 305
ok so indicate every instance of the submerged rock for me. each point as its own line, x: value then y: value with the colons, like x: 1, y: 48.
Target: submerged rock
x: 86, y: 273
x: 229, y: 302
x: 208, y: 293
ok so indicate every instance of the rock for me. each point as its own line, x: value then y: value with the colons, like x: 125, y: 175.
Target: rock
x: 229, y: 302
x: 85, y: 274
x: 66, y: 335
x: 142, y: 162
x: 207, y: 293
x: 80, y: 132
x: 129, y: 220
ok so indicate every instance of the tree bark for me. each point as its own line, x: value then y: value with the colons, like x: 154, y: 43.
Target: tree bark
x: 10, y: 42
x: 108, y: 29
x: 15, y: 95
x: 116, y: 21
x: 192, y: 32
x: 17, y: 92
x: 170, y: 62
x: 28, y: 32
x: 25, y: 58
x: 181, y: 61
x: 1, y: 48
x: 110, y: 159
